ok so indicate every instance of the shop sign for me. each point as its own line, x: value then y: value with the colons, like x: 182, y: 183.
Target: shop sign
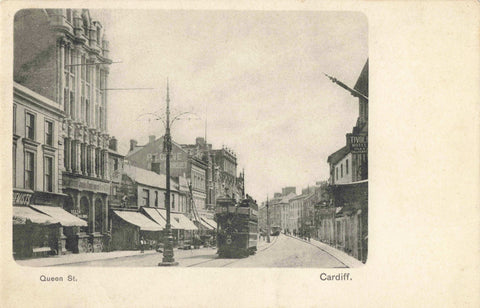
x: 86, y: 184
x: 358, y: 143
x: 21, y: 198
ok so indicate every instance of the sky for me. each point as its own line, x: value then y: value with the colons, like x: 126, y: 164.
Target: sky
x: 253, y: 78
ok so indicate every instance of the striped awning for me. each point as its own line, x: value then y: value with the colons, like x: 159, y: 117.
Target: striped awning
x: 22, y: 214
x: 210, y: 222
x: 65, y: 218
x: 186, y: 224
x: 139, y: 220
x: 155, y: 215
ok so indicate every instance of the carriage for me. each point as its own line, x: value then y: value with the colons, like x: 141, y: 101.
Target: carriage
x: 237, y: 230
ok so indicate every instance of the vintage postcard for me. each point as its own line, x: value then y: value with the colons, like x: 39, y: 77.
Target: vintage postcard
x: 166, y: 144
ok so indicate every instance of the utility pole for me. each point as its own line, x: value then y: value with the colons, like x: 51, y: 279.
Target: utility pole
x: 168, y: 259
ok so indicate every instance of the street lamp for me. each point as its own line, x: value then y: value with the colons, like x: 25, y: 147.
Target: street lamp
x: 168, y: 259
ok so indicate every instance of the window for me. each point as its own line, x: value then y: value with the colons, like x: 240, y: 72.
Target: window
x: 173, y: 201
x: 89, y: 161
x: 341, y: 170
x: 146, y: 197
x: 82, y: 158
x: 156, y: 198
x: 69, y: 88
x: 88, y: 70
x: 336, y: 170
x: 97, y: 162
x: 115, y: 164
x: 14, y: 119
x: 73, y: 156
x: 101, y: 119
x: 30, y: 126
x: 49, y: 133
x: 14, y: 164
x: 48, y: 172
x: 98, y: 35
x: 72, y: 104
x: 87, y: 111
x: 346, y: 167
x: 69, y: 15
x: 29, y: 170
x: 65, y: 153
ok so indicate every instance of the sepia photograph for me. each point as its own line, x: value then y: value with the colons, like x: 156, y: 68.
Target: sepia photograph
x: 217, y: 153
x: 156, y: 138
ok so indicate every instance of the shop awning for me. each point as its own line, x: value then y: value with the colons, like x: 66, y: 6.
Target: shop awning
x: 65, y: 218
x: 204, y: 225
x: 173, y: 222
x: 155, y: 215
x: 211, y: 222
x: 186, y: 224
x: 23, y: 213
x: 139, y: 220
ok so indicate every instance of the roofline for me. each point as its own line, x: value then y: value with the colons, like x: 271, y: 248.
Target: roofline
x: 36, y: 98
x: 352, y: 183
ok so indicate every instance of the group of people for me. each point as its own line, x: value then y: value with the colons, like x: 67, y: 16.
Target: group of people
x: 301, y: 234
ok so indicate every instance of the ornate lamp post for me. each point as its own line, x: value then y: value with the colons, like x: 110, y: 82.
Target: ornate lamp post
x: 168, y: 259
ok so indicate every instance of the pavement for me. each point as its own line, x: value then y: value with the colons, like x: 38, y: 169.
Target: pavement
x: 82, y: 257
x: 338, y: 254
x: 282, y: 251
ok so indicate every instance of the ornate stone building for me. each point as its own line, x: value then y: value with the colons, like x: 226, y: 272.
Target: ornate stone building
x: 63, y: 55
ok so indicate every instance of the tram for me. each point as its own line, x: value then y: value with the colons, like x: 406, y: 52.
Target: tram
x: 237, y: 227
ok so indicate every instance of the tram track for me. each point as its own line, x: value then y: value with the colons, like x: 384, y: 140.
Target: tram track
x: 306, y: 242
x: 235, y: 260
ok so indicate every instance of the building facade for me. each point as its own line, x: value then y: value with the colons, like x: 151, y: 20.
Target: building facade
x: 36, y: 179
x: 182, y: 164
x: 225, y: 173
x: 343, y: 221
x: 63, y: 55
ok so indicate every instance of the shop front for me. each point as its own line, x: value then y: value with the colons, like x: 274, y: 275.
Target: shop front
x: 130, y: 226
x: 38, y: 224
x: 87, y: 199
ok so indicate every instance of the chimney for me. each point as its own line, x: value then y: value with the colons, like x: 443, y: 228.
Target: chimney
x: 200, y: 141
x: 151, y: 138
x: 133, y: 144
x: 156, y: 167
x: 113, y: 144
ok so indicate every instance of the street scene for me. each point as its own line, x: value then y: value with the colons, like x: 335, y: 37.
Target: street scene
x: 190, y: 139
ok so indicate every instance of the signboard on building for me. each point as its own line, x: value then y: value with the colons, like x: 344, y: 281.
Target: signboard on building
x: 21, y: 198
x: 86, y: 184
x: 358, y: 143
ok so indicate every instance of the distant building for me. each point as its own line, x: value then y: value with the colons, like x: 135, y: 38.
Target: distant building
x: 151, y: 157
x: 225, y: 164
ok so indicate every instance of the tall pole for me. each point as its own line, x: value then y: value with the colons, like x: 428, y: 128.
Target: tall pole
x: 268, y: 224
x: 168, y: 259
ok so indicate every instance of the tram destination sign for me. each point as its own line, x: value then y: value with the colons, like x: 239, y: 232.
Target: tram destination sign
x: 358, y: 143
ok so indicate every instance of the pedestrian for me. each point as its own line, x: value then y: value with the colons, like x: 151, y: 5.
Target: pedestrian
x: 142, y: 245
